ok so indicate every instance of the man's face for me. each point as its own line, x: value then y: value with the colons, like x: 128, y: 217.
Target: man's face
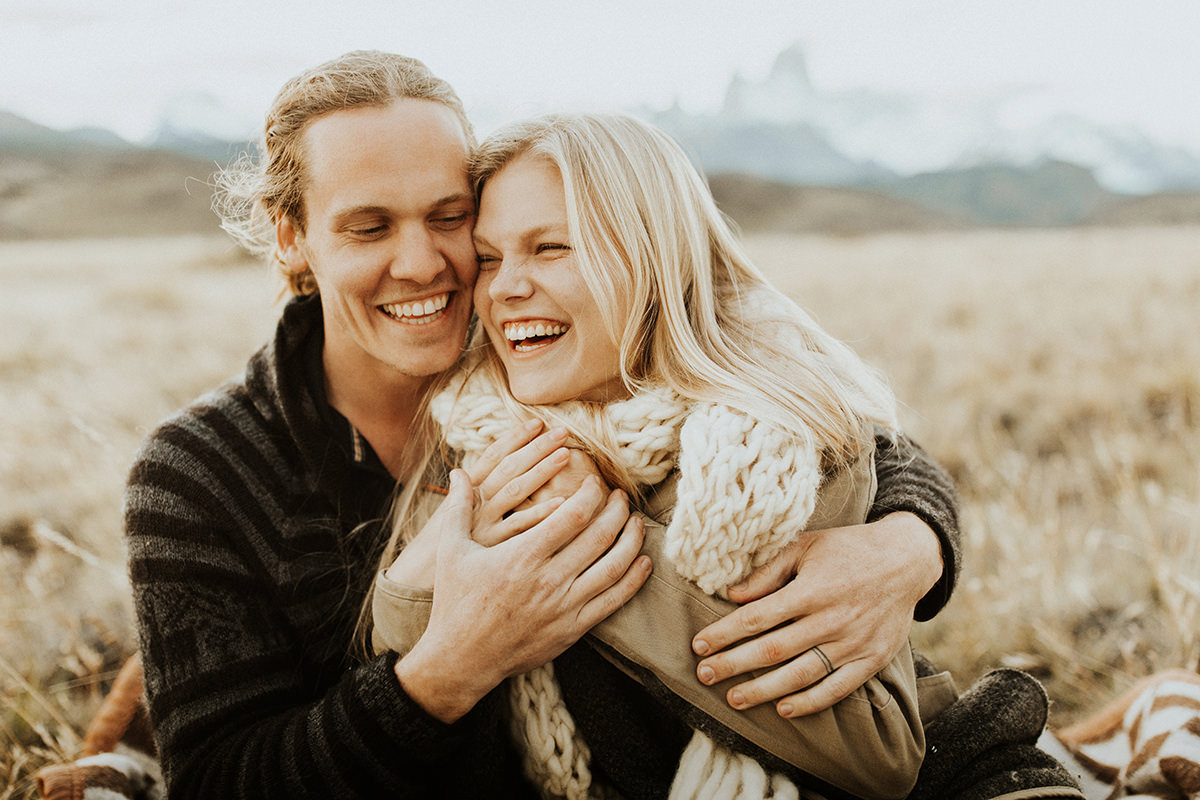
x: 389, y: 212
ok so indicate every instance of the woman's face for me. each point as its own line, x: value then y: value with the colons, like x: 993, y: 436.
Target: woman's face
x: 541, y: 319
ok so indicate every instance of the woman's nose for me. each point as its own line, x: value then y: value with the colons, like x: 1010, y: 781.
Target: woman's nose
x: 510, y: 282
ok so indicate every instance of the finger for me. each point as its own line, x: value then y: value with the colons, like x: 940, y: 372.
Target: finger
x: 791, y: 676
x: 766, y: 650
x: 837, y: 687
x: 568, y: 520
x: 517, y: 522
x: 771, y: 576
x: 606, y: 569
x: 510, y: 441
x: 597, y: 537
x: 518, y: 460
x: 457, y: 507
x: 788, y: 603
x: 618, y: 594
x: 506, y: 497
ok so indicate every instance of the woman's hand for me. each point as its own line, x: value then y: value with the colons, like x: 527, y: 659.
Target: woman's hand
x: 519, y: 482
x: 504, y: 609
x: 831, y: 610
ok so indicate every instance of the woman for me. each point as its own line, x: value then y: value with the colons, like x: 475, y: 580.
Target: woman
x: 619, y: 305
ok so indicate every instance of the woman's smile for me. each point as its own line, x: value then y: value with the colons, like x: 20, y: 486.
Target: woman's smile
x: 527, y: 336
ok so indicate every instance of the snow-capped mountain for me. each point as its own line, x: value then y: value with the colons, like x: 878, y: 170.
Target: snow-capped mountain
x: 858, y: 136
x: 199, y: 123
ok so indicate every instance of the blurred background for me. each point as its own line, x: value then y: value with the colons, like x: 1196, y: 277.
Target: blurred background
x: 998, y: 203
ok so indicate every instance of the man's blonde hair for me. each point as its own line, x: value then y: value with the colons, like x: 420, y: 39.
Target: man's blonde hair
x: 259, y: 189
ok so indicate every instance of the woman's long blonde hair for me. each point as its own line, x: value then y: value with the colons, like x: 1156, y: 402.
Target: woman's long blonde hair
x: 678, y: 294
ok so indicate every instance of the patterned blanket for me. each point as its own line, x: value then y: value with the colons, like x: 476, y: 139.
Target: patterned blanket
x: 1144, y: 744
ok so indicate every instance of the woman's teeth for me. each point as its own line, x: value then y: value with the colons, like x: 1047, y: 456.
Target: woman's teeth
x: 526, y: 336
x: 418, y: 312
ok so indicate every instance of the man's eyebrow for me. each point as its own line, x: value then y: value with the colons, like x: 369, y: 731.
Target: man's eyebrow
x: 373, y: 210
x: 457, y: 197
x: 356, y: 211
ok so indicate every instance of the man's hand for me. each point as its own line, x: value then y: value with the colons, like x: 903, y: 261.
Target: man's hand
x: 504, y: 609
x: 831, y: 610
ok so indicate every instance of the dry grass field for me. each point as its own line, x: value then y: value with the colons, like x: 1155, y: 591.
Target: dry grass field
x: 1056, y: 373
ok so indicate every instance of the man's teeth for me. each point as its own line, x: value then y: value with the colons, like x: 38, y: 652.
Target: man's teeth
x: 419, y: 311
x: 517, y: 332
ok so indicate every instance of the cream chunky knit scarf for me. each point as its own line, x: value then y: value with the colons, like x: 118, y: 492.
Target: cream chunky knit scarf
x: 744, y: 488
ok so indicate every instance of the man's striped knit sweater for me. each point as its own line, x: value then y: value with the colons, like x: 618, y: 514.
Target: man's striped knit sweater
x: 253, y: 521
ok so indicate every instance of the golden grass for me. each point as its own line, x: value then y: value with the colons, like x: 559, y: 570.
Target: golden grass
x: 1055, y: 373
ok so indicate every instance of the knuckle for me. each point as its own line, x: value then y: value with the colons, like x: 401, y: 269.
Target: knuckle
x: 612, y: 572
x: 610, y: 602
x: 752, y: 618
x: 510, y: 490
x: 796, y: 675
x: 752, y: 694
x: 576, y: 518
x: 546, y: 584
x: 770, y: 650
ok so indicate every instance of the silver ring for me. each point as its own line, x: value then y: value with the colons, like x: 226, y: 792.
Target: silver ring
x: 824, y: 660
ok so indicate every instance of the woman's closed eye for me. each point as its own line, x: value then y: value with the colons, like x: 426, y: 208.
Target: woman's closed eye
x: 552, y: 246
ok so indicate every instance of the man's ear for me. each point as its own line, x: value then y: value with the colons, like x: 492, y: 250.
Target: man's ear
x: 289, y: 249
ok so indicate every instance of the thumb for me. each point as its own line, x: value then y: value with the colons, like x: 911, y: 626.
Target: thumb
x: 770, y: 577
x: 458, y: 508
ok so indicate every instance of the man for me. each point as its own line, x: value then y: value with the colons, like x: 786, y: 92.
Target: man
x: 254, y: 515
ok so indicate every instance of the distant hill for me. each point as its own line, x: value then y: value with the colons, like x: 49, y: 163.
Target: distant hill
x: 1165, y: 208
x: 92, y: 183
x: 757, y: 204
x: 1050, y: 194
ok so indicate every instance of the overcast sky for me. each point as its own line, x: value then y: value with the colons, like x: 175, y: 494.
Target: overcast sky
x: 119, y: 63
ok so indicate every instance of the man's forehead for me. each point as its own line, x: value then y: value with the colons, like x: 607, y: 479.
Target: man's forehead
x: 404, y: 131
x: 410, y: 153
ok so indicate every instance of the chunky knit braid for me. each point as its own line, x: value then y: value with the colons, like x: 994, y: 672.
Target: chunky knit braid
x: 743, y: 488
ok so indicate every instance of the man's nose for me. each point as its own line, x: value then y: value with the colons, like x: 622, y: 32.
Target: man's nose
x: 417, y: 257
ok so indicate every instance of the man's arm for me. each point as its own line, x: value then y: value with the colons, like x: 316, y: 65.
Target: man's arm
x: 245, y: 702
x: 852, y: 592
x: 251, y: 700
x: 909, y: 480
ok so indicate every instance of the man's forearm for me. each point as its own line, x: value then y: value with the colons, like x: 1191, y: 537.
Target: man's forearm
x: 909, y: 480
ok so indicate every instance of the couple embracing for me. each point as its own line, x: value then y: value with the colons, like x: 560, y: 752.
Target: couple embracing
x: 540, y: 489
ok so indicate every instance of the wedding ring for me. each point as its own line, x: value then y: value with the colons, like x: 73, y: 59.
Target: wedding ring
x: 824, y: 660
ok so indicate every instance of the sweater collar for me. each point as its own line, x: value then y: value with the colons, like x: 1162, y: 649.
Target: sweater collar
x: 288, y: 380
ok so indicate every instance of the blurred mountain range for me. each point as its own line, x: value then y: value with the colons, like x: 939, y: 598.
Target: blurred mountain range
x: 781, y: 155
x: 785, y: 128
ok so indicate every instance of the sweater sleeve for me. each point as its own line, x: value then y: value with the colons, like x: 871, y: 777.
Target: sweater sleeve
x: 909, y: 480
x: 245, y: 702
